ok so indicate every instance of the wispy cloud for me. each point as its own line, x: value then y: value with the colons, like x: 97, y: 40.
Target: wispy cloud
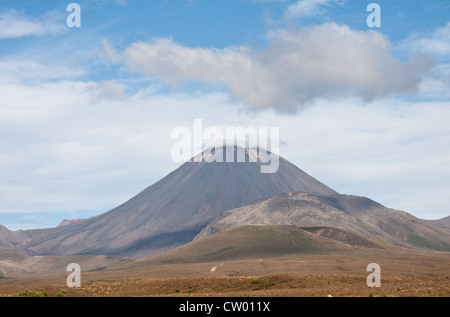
x: 15, y: 71
x: 309, y: 8
x: 14, y: 24
x: 110, y: 53
x: 119, y: 2
x: 122, y: 2
x: 435, y: 43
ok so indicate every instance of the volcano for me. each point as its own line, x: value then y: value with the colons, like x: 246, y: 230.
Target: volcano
x: 203, y: 197
x: 171, y: 212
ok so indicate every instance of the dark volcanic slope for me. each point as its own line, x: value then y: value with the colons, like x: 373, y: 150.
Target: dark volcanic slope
x: 169, y: 213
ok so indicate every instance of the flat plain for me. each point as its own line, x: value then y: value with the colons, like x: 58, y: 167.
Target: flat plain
x: 404, y: 273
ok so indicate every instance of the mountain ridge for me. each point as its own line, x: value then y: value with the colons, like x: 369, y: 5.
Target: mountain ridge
x: 356, y: 214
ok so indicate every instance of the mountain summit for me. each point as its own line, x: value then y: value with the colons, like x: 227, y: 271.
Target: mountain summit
x: 172, y: 211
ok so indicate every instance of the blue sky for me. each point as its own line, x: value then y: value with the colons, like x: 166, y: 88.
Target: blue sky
x: 86, y: 113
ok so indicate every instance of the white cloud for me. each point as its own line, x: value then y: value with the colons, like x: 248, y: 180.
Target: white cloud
x: 297, y: 67
x: 14, y: 24
x: 74, y: 146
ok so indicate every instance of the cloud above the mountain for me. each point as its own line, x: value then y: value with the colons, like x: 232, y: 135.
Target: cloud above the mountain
x: 296, y: 68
